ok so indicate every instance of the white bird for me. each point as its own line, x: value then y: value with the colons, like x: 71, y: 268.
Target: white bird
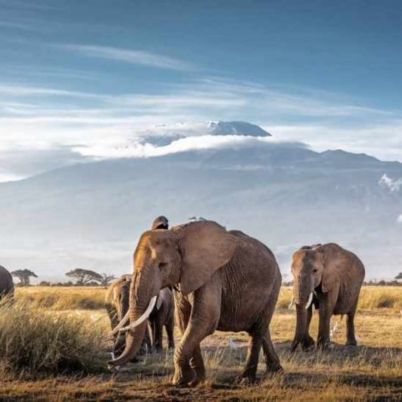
x: 233, y: 344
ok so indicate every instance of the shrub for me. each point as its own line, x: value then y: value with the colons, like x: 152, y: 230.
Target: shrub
x: 34, y: 341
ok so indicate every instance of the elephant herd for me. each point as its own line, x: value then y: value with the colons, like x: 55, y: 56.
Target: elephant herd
x: 218, y: 279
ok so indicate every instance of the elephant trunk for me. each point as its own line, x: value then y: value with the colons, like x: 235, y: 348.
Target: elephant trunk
x: 142, y: 303
x: 303, y: 291
x: 303, y: 296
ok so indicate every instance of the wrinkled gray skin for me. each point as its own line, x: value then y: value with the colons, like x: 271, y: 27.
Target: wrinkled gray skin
x: 226, y: 281
x: 117, y: 303
x: 6, y: 283
x: 335, y: 276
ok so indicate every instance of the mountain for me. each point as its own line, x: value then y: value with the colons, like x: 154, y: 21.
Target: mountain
x: 91, y: 214
x: 236, y: 128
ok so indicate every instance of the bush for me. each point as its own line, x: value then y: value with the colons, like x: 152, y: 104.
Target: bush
x: 33, y: 341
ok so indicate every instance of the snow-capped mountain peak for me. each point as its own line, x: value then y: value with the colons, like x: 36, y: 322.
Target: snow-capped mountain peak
x: 236, y: 128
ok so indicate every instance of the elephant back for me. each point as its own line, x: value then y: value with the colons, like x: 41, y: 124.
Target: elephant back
x: 6, y: 282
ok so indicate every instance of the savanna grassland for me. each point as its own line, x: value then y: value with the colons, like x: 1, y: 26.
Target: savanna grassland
x: 53, y: 347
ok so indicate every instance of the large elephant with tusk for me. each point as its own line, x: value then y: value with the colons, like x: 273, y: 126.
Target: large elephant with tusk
x: 225, y: 281
x: 328, y: 277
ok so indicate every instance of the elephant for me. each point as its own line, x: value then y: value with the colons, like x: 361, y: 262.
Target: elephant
x: 223, y: 280
x: 6, y: 283
x: 328, y: 277
x: 117, y: 303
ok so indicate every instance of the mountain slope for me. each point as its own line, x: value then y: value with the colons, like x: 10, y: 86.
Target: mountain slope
x: 284, y: 194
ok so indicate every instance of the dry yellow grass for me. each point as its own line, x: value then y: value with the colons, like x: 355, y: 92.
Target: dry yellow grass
x: 372, y: 371
x: 63, y: 298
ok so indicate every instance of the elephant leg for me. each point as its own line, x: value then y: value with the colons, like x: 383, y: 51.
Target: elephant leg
x: 197, y: 364
x: 147, y: 344
x: 350, y: 329
x: 308, y: 341
x: 271, y: 358
x: 158, y: 331
x: 254, y: 347
x: 183, y: 311
x: 203, y: 320
x: 170, y: 333
x: 325, y: 313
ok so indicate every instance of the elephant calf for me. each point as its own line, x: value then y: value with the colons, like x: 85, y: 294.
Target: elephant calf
x: 117, y: 304
x: 329, y: 277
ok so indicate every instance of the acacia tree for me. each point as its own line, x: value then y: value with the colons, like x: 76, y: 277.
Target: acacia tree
x: 399, y: 276
x: 84, y: 276
x: 106, y: 279
x: 24, y: 275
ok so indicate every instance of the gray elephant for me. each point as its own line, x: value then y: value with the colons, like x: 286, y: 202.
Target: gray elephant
x: 226, y: 281
x: 328, y: 277
x: 6, y: 283
x: 117, y: 303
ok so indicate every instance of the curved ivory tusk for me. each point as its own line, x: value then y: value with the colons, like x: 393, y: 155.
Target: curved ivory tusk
x: 144, y: 317
x: 120, y: 325
x: 309, y: 301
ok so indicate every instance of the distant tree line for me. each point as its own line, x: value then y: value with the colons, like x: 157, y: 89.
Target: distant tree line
x: 83, y: 277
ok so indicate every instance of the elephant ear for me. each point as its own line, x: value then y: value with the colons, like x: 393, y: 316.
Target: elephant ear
x: 205, y: 247
x: 330, y: 273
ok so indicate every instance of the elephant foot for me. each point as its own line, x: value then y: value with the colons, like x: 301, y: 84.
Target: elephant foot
x: 247, y: 377
x: 197, y: 380
x: 308, y: 343
x: 351, y: 342
x: 323, y: 344
x: 294, y: 345
x: 274, y: 369
x: 184, y: 378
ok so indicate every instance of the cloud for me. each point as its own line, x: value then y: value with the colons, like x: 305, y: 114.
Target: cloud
x: 392, y: 185
x: 399, y: 219
x: 102, y: 125
x: 14, y: 91
x: 140, y: 149
x: 130, y: 56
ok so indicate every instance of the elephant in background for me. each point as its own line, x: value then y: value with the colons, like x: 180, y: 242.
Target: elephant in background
x: 225, y: 281
x: 329, y: 277
x: 117, y: 304
x: 6, y: 283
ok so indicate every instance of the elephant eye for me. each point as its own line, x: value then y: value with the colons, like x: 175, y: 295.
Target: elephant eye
x: 315, y: 270
x: 162, y: 265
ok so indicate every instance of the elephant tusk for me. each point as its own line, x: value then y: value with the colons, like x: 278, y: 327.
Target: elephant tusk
x: 291, y: 304
x: 144, y: 317
x: 309, y: 301
x: 120, y: 325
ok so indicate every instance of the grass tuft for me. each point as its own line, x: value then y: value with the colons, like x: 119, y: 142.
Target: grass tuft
x: 33, y: 341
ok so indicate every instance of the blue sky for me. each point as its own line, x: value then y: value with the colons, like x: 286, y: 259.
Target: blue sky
x: 79, y: 75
